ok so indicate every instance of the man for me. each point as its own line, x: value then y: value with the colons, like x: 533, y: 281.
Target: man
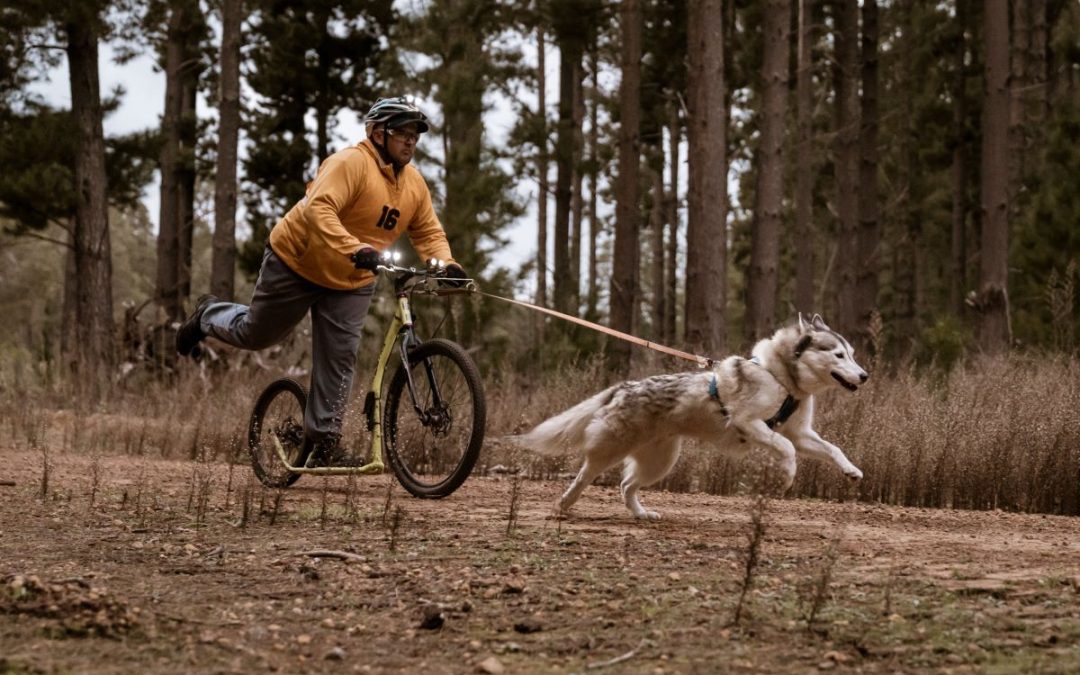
x: 322, y: 257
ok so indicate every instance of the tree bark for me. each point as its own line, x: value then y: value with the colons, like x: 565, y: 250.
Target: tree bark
x: 593, y: 294
x: 769, y: 196
x: 186, y: 173
x: 906, y: 260
x: 804, y: 165
x: 706, y: 207
x: 542, y: 171
x: 223, y: 267
x: 168, y: 255
x: 1019, y: 52
x: 993, y: 301
x: 570, y: 54
x: 959, y: 173
x: 869, y: 235
x: 846, y: 151
x: 464, y: 127
x: 577, y: 199
x: 626, y: 256
x: 657, y: 216
x: 672, y: 204
x: 322, y: 86
x: 93, y: 266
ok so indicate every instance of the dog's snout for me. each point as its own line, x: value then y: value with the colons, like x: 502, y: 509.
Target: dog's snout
x: 863, y: 377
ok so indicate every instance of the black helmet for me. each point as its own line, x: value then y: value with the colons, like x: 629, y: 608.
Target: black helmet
x: 396, y: 112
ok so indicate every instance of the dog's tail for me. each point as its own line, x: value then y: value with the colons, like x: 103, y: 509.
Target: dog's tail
x: 564, y: 432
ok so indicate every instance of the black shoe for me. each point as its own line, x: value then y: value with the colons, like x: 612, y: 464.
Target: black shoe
x: 190, y: 333
x: 329, y: 452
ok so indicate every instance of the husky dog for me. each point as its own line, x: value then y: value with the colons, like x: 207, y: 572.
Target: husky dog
x: 766, y: 401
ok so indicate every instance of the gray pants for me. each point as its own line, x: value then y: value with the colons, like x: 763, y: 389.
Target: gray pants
x: 280, y: 301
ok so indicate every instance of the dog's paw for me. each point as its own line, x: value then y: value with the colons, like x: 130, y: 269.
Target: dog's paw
x: 854, y: 474
x: 645, y: 514
x: 559, y: 513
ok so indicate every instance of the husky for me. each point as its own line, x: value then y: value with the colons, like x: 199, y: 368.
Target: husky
x: 765, y: 401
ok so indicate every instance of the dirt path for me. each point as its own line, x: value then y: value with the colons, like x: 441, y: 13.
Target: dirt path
x: 153, y: 566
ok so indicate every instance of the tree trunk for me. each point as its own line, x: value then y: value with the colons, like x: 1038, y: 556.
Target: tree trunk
x: 959, y: 174
x: 1040, y: 42
x: 909, y: 232
x: 464, y: 127
x: 1019, y: 52
x: 93, y: 266
x: 542, y: 171
x: 706, y: 209
x: 577, y: 200
x: 223, y: 268
x: 168, y: 256
x: 626, y: 256
x: 657, y: 214
x: 69, y: 320
x: 804, y: 166
x: 593, y: 295
x: 186, y: 173
x: 869, y: 234
x: 993, y: 301
x: 322, y: 87
x: 672, y: 201
x: 846, y: 151
x: 570, y: 53
x: 769, y: 196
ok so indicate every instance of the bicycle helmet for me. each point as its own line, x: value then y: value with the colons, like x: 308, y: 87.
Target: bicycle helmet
x: 396, y: 112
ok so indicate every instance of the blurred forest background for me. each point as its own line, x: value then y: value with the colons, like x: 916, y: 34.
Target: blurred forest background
x: 697, y: 171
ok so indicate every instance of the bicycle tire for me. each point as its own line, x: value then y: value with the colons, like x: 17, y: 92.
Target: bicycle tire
x: 291, y: 397
x: 411, y: 444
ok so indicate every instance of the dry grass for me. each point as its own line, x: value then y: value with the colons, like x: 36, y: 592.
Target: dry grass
x: 998, y: 433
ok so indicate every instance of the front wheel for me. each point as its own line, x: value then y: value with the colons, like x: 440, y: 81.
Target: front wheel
x: 278, y: 419
x: 434, y: 439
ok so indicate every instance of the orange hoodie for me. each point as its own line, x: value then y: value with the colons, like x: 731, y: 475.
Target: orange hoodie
x: 356, y: 200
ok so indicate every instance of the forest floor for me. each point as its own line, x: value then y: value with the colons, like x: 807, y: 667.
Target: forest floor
x: 142, y: 565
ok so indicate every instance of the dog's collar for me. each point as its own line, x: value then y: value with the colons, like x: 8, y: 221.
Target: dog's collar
x: 714, y: 394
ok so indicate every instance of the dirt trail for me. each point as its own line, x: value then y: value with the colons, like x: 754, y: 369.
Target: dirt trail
x: 153, y: 566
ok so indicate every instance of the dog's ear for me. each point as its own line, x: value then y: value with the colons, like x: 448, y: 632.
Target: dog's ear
x: 802, y: 324
x: 803, y: 345
x: 819, y: 323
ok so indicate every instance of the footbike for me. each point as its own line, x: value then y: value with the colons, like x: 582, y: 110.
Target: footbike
x: 427, y: 418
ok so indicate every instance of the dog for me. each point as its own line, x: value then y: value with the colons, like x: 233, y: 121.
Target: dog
x: 765, y: 401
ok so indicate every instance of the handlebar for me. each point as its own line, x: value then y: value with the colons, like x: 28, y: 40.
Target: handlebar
x: 427, y: 280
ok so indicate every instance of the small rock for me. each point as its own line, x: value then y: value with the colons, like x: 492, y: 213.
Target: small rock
x: 303, y: 639
x: 529, y: 625
x: 491, y: 666
x: 826, y: 665
x: 433, y: 618
x: 335, y: 654
x: 838, y: 657
x: 514, y: 585
x: 674, y: 576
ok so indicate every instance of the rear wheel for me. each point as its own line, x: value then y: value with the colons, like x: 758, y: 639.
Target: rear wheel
x: 278, y: 419
x: 433, y: 445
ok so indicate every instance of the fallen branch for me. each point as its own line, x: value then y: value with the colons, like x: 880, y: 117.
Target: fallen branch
x: 7, y: 483
x: 340, y: 555
x: 618, y: 659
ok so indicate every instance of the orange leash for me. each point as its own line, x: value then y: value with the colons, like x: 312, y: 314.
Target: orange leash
x: 702, y: 361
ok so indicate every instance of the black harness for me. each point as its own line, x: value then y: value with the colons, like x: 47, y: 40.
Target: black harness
x: 787, y: 408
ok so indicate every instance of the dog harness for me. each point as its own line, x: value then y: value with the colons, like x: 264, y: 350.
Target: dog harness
x: 787, y: 408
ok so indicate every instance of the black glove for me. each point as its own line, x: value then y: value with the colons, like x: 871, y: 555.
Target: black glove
x: 455, y: 275
x: 366, y: 258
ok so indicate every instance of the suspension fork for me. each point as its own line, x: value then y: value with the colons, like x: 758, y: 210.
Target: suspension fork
x: 407, y: 344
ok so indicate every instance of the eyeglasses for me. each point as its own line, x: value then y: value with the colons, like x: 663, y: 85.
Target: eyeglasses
x: 404, y: 136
